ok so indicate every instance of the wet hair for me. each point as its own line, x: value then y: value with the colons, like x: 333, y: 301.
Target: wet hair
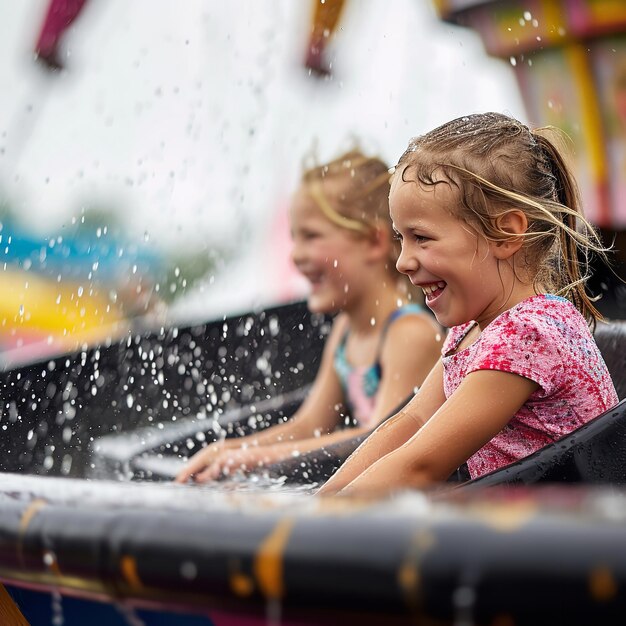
x: 494, y: 164
x: 362, y: 204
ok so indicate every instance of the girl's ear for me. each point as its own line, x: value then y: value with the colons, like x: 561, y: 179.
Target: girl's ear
x: 515, y: 224
x: 379, y: 241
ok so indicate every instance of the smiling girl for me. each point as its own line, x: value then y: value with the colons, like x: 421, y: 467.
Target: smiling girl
x: 492, y: 231
x: 380, y: 348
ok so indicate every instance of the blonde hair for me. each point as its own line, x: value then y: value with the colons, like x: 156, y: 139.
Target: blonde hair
x: 362, y: 206
x: 495, y: 164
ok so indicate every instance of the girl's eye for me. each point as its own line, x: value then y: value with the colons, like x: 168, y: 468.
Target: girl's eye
x: 397, y: 236
x: 420, y: 238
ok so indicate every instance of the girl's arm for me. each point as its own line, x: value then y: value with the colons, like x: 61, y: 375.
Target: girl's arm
x: 253, y: 458
x: 478, y: 410
x: 392, y: 433
x: 319, y: 413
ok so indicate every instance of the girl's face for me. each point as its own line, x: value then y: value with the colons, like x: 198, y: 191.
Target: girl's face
x: 454, y: 266
x: 331, y: 258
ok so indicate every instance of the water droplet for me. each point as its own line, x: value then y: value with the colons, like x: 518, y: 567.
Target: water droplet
x: 188, y: 570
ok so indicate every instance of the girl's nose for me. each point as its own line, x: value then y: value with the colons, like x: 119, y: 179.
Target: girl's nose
x: 406, y: 264
x: 297, y: 253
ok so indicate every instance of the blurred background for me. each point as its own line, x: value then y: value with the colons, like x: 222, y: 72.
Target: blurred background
x: 148, y: 150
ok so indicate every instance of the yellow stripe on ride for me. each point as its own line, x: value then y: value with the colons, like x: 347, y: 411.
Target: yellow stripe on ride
x: 32, y: 302
x: 268, y: 563
x: 591, y: 119
x: 128, y: 567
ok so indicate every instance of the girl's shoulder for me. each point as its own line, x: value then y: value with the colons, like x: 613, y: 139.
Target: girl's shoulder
x: 543, y: 311
x: 545, y: 318
x: 545, y: 302
x: 411, y: 318
x: 338, y: 332
x: 411, y: 308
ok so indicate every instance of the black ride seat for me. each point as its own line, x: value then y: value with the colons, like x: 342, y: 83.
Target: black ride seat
x: 611, y: 339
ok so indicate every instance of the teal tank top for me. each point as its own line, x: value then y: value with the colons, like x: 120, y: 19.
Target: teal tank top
x: 360, y: 384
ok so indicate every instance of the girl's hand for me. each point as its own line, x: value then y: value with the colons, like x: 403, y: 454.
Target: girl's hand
x: 199, y: 461
x: 239, y: 460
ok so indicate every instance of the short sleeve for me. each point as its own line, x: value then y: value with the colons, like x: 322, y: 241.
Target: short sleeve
x: 522, y: 345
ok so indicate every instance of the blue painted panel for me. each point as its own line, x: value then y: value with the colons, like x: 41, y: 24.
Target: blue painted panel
x: 41, y: 609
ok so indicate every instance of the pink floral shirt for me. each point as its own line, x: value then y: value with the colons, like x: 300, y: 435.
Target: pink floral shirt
x: 546, y: 340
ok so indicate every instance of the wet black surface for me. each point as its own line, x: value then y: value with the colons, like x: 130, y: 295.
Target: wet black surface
x: 51, y: 412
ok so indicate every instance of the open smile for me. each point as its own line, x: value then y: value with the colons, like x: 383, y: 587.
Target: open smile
x: 314, y: 278
x: 433, y: 290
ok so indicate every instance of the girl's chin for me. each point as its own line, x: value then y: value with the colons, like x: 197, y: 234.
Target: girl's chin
x: 318, y: 304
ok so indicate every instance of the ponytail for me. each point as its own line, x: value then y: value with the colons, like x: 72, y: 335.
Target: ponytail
x: 577, y: 238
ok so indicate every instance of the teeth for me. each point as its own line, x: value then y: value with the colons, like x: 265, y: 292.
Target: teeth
x: 428, y: 289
